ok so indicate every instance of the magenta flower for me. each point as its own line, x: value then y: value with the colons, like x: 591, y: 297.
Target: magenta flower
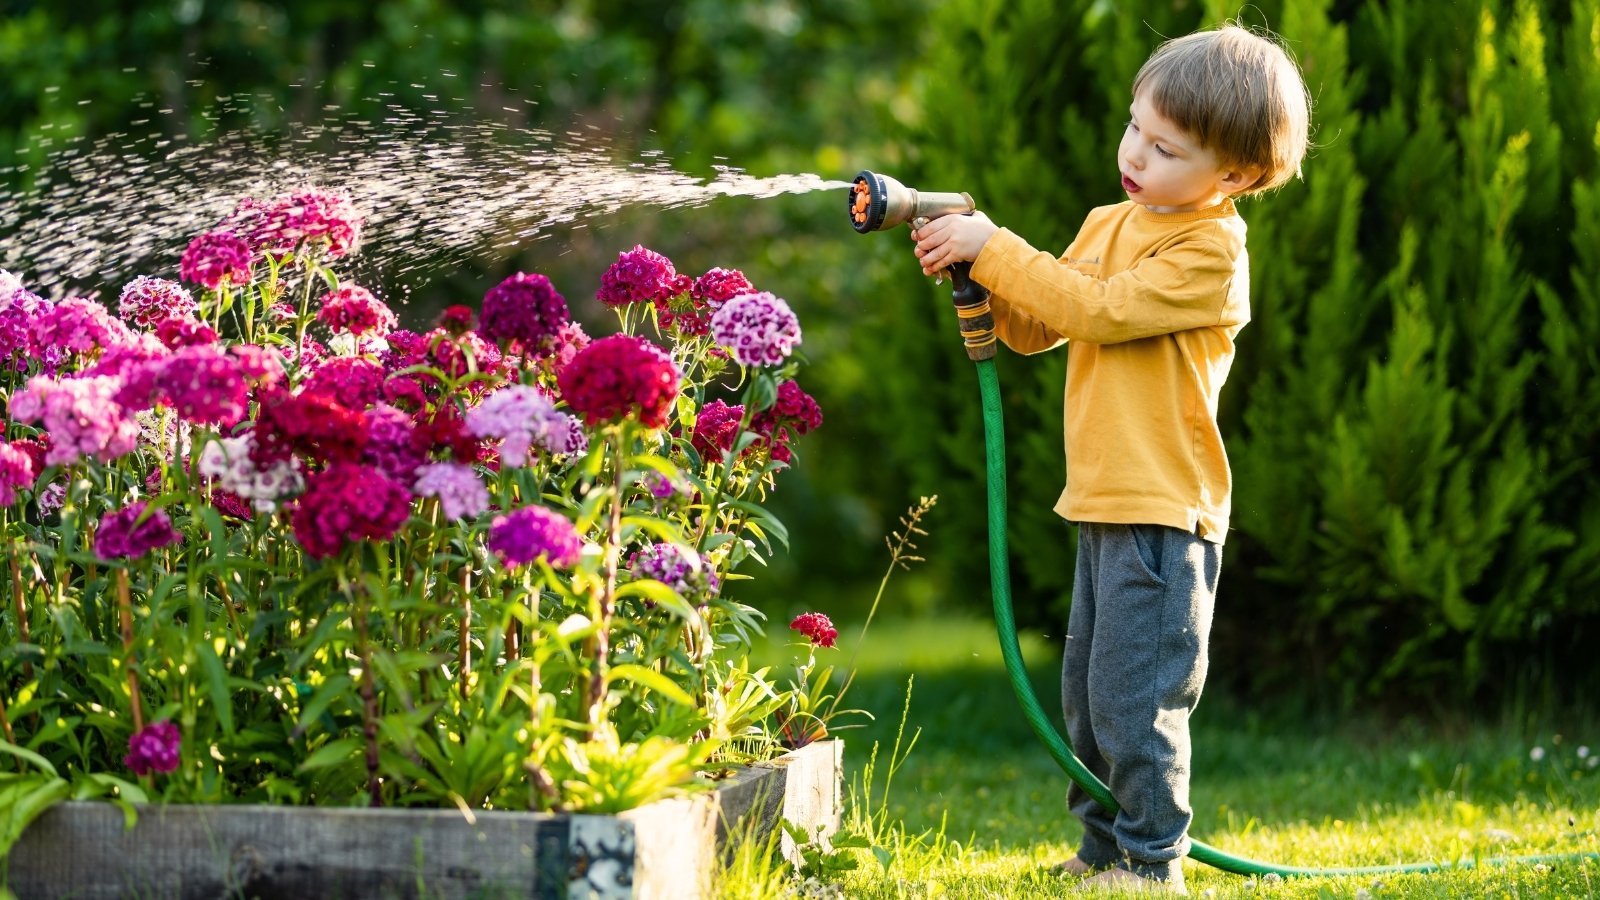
x: 145, y: 301
x: 184, y: 331
x: 640, y: 276
x: 394, y: 444
x: 522, y: 536
x: 317, y: 218
x: 556, y: 351
x: 794, y: 413
x: 77, y: 325
x: 128, y: 533
x: 20, y: 309
x: 523, y: 418
x: 757, y: 329
x: 217, y: 258
x: 16, y: 471
x: 461, y: 493
x: 715, y: 430
x: 456, y: 320
x: 205, y: 385
x: 816, y: 627
x: 618, y: 376
x: 313, y: 425
x: 691, y: 313
x: 355, y: 310
x: 356, y: 382
x: 348, y: 502
x: 522, y: 310
x: 81, y: 415
x: 261, y: 366
x: 154, y: 749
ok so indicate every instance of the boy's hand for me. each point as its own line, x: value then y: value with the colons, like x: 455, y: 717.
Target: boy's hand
x: 952, y: 239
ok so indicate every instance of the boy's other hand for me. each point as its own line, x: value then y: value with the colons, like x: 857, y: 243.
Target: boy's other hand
x: 952, y: 239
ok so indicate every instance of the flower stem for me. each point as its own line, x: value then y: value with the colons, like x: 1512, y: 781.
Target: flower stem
x: 125, y: 611
x: 601, y: 643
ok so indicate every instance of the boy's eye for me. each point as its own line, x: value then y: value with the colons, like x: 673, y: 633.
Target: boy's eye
x: 1164, y: 151
x: 1131, y: 126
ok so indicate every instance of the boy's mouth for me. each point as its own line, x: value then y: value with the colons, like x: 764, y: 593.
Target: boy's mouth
x: 1129, y: 185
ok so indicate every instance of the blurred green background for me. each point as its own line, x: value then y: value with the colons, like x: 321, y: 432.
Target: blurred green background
x: 1411, y: 420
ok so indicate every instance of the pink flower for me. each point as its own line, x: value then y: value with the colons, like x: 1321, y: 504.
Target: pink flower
x: 640, y: 276
x: 394, y: 444
x: 522, y: 536
x: 261, y: 366
x: 522, y: 310
x: 618, y: 376
x: 204, y: 385
x: 129, y: 533
x: 348, y: 502
x: 20, y: 310
x: 217, y: 258
x: 145, y: 301
x: 354, y: 309
x: 81, y: 415
x: 315, y: 218
x: 461, y: 493
x: 78, y: 326
x: 184, y: 331
x: 313, y: 425
x: 816, y: 627
x: 557, y: 350
x: 794, y: 413
x: 16, y: 471
x: 154, y: 749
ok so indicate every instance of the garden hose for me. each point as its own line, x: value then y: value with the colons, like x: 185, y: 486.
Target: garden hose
x: 877, y: 202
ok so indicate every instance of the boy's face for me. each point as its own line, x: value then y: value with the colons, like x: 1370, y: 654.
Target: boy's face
x: 1166, y: 169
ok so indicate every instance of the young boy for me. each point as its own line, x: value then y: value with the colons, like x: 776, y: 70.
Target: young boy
x: 1151, y: 295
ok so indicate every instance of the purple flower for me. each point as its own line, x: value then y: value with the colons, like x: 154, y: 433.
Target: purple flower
x: 153, y: 749
x: 682, y: 570
x: 393, y: 444
x: 524, y: 535
x: 640, y: 276
x: 461, y: 493
x: 217, y: 258
x: 524, y: 309
x: 128, y: 533
x: 757, y: 329
x: 524, y: 418
x: 146, y: 301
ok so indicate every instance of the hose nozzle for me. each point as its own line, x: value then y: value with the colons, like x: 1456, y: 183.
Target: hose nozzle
x: 878, y: 202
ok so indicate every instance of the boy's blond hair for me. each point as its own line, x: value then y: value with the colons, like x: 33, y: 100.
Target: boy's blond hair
x: 1239, y: 94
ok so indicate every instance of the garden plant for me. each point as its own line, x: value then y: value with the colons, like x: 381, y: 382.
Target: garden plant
x: 265, y: 546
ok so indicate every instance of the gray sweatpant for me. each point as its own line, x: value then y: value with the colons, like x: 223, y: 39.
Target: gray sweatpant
x: 1134, y: 664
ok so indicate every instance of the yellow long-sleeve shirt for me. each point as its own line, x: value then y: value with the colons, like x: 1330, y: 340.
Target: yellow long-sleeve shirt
x: 1151, y: 303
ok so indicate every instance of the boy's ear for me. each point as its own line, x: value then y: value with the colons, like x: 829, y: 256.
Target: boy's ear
x: 1233, y: 181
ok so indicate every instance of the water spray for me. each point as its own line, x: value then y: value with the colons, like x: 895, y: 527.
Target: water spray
x: 877, y: 203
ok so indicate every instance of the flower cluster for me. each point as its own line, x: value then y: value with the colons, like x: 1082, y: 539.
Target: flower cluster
x: 133, y: 531
x: 228, y: 461
x: 816, y: 628
x: 524, y: 310
x: 523, y: 535
x: 154, y: 749
x: 348, y: 502
x: 640, y: 276
x: 461, y: 493
x: 81, y: 415
x: 523, y: 419
x: 681, y: 569
x: 322, y: 219
x: 353, y: 309
x: 217, y: 259
x: 758, y: 329
x: 618, y: 376
x: 147, y: 301
x: 16, y: 471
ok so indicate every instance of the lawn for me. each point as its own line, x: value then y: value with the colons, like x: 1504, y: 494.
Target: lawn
x: 976, y: 808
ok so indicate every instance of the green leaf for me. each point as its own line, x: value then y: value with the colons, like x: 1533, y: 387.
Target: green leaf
x: 217, y: 684
x: 331, y: 754
x: 38, y: 761
x: 651, y: 679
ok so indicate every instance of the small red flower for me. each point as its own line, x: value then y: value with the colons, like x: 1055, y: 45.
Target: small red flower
x: 815, y: 625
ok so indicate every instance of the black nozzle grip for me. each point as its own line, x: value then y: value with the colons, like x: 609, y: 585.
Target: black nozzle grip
x: 972, y: 308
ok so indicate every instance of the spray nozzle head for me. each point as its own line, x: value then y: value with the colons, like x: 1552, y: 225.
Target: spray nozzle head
x: 878, y: 202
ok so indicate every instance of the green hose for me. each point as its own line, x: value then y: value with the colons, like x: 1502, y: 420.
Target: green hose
x: 994, y: 442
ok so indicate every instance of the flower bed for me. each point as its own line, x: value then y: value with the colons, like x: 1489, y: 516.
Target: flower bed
x: 264, y: 546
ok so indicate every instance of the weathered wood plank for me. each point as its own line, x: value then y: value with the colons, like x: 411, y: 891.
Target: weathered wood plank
x: 664, y: 851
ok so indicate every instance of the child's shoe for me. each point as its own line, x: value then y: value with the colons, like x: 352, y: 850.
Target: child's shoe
x: 1123, y: 880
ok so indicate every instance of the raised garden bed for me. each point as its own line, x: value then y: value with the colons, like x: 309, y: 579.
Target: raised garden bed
x: 665, y: 850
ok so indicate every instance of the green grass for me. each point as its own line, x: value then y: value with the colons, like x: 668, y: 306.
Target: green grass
x: 976, y: 809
